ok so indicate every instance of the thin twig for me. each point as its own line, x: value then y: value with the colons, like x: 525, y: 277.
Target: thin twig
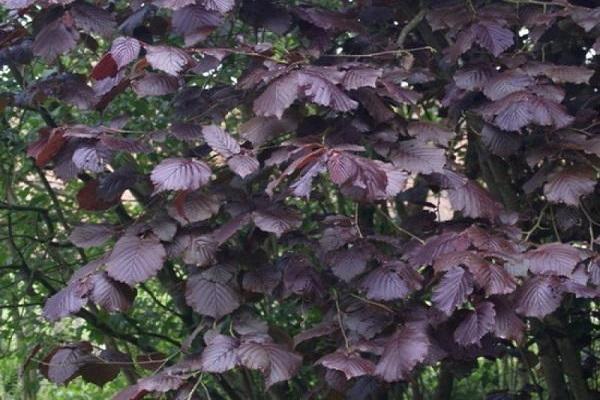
x: 382, y: 53
x: 373, y: 303
x: 20, y: 305
x: 157, y: 302
x: 591, y: 224
x: 535, y: 2
x: 191, y: 394
x: 412, y: 24
x: 205, y: 390
x: 356, y: 221
x: 537, y: 224
x: 554, y: 227
x: 339, y: 318
x: 234, y: 51
x: 398, y: 227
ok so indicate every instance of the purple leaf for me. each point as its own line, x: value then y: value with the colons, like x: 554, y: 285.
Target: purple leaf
x: 112, y: 186
x: 63, y: 364
x: 194, y: 207
x: 319, y: 330
x: 111, y: 295
x: 200, y: 250
x: 259, y: 130
x: 186, y: 132
x: 360, y: 77
x: 129, y: 145
x: 93, y: 19
x: 473, y: 201
x: 222, y: 6
x: 243, y: 164
x: 370, y: 181
x: 351, y: 364
x: 520, y: 109
x: 476, y: 324
x: 212, y: 293
x: 494, y: 278
x: 507, y: 324
x: 500, y: 143
x: 365, y: 320
x: 374, y: 105
x: 167, y: 59
x: 470, y: 259
x: 553, y: 258
x: 453, y: 289
x: 437, y: 246
x: 348, y: 263
x: 391, y: 282
x: 585, y: 17
x: 262, y: 280
x: 430, y: 132
x: 55, y: 38
x: 594, y: 271
x: 341, y: 167
x: 155, y: 84
x: 539, y: 296
x: 65, y: 302
x: 220, y: 141
x: 277, y: 221
x: 159, y: 383
x: 125, y: 50
x: 174, y: 4
x: 328, y: 20
x: 91, y: 235
x: 473, y: 78
x: 87, y: 270
x: 275, y: 361
x: 180, y: 174
x: 91, y: 158
x: 561, y: 73
x: 418, y: 157
x: 403, y: 351
x: 399, y: 94
x: 568, y: 185
x: 16, y: 4
x: 506, y: 83
x: 103, y: 369
x: 194, y: 23
x: 220, y: 354
x: 300, y: 277
x: 134, y: 259
x: 163, y: 227
x: 278, y: 97
x: 492, y: 36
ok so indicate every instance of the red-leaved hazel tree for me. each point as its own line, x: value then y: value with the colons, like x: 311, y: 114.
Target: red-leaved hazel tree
x: 414, y: 182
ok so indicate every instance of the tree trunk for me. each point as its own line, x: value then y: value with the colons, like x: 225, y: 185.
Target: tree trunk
x: 443, y: 391
x: 571, y: 365
x: 551, y: 368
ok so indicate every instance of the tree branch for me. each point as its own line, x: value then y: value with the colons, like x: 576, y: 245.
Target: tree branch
x: 412, y: 24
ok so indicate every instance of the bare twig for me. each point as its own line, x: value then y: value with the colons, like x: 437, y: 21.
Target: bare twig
x: 382, y: 53
x: 356, y: 221
x: 339, y: 318
x: 373, y: 303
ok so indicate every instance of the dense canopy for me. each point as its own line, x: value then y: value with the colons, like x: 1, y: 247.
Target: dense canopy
x: 324, y: 199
